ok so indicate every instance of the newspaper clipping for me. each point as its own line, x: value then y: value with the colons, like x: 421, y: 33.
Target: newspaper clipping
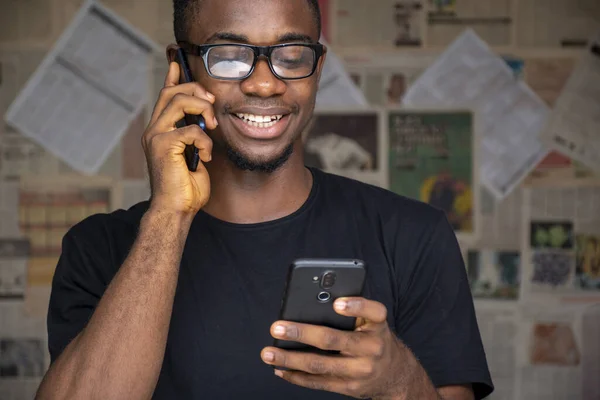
x: 432, y: 158
x: 468, y: 74
x: 94, y: 81
x: 572, y: 128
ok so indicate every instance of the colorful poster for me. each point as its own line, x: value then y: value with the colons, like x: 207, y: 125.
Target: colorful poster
x: 431, y: 158
x: 587, y: 272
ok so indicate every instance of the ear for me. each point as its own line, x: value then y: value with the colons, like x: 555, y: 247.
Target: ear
x: 171, y: 52
x: 321, y: 63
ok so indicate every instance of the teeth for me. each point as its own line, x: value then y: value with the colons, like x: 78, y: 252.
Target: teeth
x: 260, y: 121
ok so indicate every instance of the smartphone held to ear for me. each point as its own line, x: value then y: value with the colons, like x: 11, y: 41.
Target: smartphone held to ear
x: 192, y: 158
x: 311, y: 289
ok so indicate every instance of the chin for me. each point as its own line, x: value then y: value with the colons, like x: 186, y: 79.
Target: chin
x: 259, y: 163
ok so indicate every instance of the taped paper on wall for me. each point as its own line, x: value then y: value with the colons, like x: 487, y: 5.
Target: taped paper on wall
x: 81, y: 99
x: 432, y: 158
x: 560, y: 253
x: 572, y: 128
x: 468, y: 74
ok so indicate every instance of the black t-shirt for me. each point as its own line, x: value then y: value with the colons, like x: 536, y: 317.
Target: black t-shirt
x: 232, y: 277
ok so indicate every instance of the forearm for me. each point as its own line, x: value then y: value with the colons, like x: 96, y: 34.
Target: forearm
x: 413, y: 382
x: 119, y: 353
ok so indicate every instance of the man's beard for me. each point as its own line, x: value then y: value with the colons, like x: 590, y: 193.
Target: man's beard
x: 243, y: 163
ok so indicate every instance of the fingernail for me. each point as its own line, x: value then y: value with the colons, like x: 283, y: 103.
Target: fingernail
x: 340, y: 305
x: 268, y: 356
x: 210, y: 96
x: 279, y: 330
x: 216, y: 122
x: 279, y: 373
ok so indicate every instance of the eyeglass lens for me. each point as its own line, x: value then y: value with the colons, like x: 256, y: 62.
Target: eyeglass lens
x: 289, y: 62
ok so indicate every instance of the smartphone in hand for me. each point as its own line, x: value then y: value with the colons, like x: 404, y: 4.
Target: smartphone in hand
x: 312, y: 287
x: 192, y: 158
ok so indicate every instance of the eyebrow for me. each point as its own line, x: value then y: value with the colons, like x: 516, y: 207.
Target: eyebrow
x: 235, y: 37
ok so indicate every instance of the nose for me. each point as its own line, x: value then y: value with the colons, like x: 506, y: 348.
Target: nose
x: 262, y: 82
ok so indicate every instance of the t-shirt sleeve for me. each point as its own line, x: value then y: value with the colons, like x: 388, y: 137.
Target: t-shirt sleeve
x: 436, y: 315
x: 77, y: 287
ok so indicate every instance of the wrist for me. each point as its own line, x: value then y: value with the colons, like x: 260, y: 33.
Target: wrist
x: 161, y: 218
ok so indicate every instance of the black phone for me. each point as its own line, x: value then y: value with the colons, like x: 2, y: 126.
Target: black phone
x: 311, y: 288
x: 192, y: 158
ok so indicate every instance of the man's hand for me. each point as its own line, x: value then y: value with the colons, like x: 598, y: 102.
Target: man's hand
x: 373, y: 362
x: 174, y: 187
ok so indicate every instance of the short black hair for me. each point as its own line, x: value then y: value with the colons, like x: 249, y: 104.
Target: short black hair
x: 183, y: 9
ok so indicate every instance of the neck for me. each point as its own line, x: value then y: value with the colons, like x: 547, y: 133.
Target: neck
x: 246, y: 197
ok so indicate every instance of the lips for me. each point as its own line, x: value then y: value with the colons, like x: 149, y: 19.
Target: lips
x: 261, y: 124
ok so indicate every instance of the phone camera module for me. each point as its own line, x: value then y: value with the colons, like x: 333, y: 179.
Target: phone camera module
x: 328, y: 280
x: 324, y: 297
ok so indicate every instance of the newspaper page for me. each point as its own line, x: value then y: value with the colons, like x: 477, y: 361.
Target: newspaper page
x: 346, y: 142
x: 24, y: 356
x: 556, y: 23
x: 556, y: 356
x: 389, y: 25
x: 14, y: 254
x: 561, y: 243
x: 384, y: 78
x: 83, y: 96
x: 572, y: 128
x: 9, y: 209
x: 490, y: 19
x: 468, y: 74
x: 497, y: 323
x: 433, y: 158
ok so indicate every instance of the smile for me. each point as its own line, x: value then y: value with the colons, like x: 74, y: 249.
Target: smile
x: 260, y: 121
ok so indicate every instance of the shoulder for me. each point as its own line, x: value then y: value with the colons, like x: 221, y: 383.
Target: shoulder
x: 372, y: 202
x: 106, y: 237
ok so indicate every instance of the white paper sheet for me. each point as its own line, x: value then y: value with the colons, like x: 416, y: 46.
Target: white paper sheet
x: 498, y: 328
x: 469, y: 74
x: 556, y: 353
x: 574, y: 125
x: 85, y: 93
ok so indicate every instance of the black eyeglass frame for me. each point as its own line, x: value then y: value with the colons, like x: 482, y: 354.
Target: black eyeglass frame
x: 203, y: 50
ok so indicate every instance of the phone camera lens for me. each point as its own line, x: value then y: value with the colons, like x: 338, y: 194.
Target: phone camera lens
x: 328, y: 280
x: 324, y: 297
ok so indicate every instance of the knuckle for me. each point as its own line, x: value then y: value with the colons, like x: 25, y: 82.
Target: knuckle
x: 366, y: 369
x: 378, y: 348
x: 317, y: 366
x: 164, y: 92
x: 353, y: 388
x: 331, y: 340
x: 384, y: 312
x: 179, y: 98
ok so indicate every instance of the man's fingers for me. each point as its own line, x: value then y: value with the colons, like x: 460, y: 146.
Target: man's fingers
x: 172, y: 77
x: 350, y: 388
x: 317, y: 364
x: 172, y: 87
x: 182, y: 104
x: 174, y: 142
x: 322, y: 337
x: 369, y: 310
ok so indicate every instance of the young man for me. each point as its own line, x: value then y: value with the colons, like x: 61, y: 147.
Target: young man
x: 177, y: 298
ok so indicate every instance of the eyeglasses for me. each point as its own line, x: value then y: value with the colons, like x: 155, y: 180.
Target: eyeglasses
x: 288, y: 61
